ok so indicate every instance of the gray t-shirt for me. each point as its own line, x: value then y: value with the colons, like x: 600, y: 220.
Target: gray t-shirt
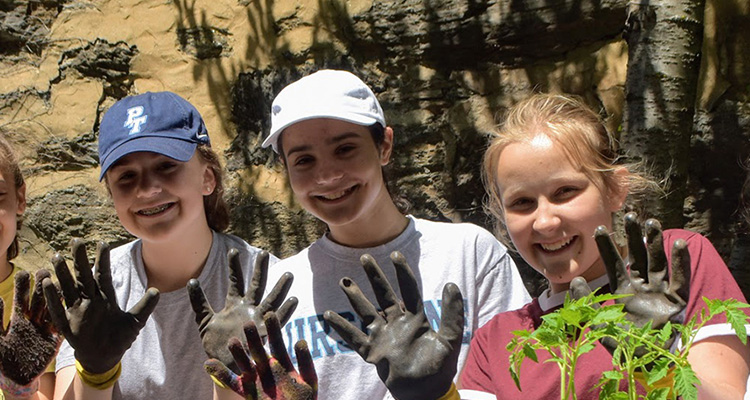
x: 166, y: 360
x: 437, y: 252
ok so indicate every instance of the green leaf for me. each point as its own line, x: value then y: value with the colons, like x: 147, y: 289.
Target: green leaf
x: 658, y: 394
x: 530, y: 353
x: 665, y: 333
x: 738, y: 320
x: 585, y: 348
x: 608, y: 314
x: 684, y: 383
x: 614, y: 374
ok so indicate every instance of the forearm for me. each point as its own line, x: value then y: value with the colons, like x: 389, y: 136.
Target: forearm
x: 68, y: 386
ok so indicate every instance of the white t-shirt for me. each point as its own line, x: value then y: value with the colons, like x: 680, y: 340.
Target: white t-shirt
x: 166, y: 359
x: 437, y: 252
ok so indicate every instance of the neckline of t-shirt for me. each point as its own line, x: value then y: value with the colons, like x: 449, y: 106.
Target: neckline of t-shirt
x: 347, y: 253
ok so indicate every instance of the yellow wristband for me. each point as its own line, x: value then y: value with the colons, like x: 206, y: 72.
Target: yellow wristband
x: 452, y: 394
x: 666, y: 382
x: 102, y: 381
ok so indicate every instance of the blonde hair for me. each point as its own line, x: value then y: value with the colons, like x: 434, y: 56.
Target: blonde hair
x: 10, y: 168
x: 581, y: 133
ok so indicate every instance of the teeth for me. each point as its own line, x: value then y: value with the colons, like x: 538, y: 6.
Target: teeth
x: 557, y: 245
x: 337, y: 195
x: 155, y: 210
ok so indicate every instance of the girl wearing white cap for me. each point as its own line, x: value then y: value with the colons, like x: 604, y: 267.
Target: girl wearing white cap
x: 130, y: 326
x: 331, y: 135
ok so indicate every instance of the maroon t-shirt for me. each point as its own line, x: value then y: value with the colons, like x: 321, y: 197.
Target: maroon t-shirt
x: 487, y: 366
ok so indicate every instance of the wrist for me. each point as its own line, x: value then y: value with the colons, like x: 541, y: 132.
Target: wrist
x: 101, y: 381
x: 452, y: 394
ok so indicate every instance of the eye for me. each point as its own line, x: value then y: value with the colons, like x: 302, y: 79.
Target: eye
x: 520, y: 204
x: 167, y: 166
x: 303, y: 160
x: 566, y: 192
x: 125, y: 176
x: 345, y: 148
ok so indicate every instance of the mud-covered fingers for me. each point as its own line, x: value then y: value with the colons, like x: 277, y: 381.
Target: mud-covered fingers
x: 223, y: 374
x: 616, y: 271
x: 408, y: 284
x: 276, y: 296
x: 306, y: 365
x: 103, y: 272
x: 241, y: 358
x: 145, y: 306
x: 82, y: 268
x: 201, y: 308
x: 258, y: 353
x: 579, y: 288
x: 286, y: 310
x: 636, y: 248
x: 679, y: 282
x: 236, y: 279
x: 353, y: 336
x: 359, y: 302
x: 67, y: 283
x: 55, y: 307
x: 22, y: 284
x: 38, y: 309
x: 276, y: 341
x: 657, y: 259
x: 383, y: 290
x: 260, y: 278
x: 452, y: 321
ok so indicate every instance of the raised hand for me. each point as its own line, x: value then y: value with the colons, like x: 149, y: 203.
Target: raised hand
x: 31, y: 340
x: 216, y: 328
x: 413, y: 361
x: 655, y: 297
x: 91, y: 321
x: 269, y: 377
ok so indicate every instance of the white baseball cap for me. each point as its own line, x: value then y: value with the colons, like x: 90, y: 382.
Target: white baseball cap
x: 323, y: 94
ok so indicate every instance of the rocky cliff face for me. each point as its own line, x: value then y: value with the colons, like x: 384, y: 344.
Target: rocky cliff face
x: 444, y: 71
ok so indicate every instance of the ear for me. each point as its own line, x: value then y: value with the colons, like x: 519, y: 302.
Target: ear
x: 619, y: 192
x: 21, y: 199
x: 209, y: 180
x: 386, y: 148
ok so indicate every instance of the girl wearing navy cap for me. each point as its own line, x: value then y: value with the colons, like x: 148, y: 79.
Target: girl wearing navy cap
x: 166, y: 186
x: 331, y: 135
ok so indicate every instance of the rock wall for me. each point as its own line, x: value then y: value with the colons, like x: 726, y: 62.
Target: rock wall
x: 444, y: 70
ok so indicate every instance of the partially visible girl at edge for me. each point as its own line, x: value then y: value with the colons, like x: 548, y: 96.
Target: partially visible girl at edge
x: 166, y: 185
x: 12, y: 206
x: 331, y: 134
x: 552, y: 177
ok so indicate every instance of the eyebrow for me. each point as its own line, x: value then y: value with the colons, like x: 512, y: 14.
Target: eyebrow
x: 333, y: 140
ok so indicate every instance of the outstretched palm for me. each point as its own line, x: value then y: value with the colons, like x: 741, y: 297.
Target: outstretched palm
x: 413, y: 361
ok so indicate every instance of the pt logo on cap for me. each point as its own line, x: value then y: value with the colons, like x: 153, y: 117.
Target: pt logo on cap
x: 135, y: 119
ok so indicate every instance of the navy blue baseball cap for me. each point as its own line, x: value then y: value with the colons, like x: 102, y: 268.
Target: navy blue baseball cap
x: 158, y: 122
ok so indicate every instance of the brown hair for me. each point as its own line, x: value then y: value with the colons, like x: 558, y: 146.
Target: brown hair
x: 581, y: 133
x: 10, y: 168
x: 217, y: 211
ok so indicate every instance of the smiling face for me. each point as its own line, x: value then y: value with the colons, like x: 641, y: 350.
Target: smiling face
x: 335, y: 171
x: 551, y: 209
x: 158, y: 198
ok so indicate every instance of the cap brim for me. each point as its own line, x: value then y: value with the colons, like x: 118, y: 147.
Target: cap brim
x: 273, y: 138
x: 180, y: 150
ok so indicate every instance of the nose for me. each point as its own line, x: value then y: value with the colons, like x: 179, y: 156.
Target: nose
x: 148, y: 186
x: 328, y: 172
x: 546, y: 218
